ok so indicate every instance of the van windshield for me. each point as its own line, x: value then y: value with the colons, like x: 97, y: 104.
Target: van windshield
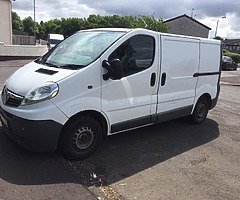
x: 80, y: 50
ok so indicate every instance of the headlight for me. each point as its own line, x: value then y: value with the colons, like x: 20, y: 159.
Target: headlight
x: 40, y: 93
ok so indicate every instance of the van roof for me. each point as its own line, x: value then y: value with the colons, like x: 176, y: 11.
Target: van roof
x: 108, y: 29
x: 203, y: 40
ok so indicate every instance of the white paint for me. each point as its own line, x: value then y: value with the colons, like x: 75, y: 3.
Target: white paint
x: 22, y: 50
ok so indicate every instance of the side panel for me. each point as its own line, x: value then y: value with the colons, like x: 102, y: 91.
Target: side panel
x: 180, y: 60
x: 209, y: 65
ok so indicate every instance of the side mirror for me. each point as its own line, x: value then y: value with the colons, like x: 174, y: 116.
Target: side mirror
x: 114, y: 68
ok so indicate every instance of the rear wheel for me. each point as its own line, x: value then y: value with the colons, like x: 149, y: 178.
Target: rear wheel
x: 200, y: 111
x: 80, y: 138
x: 227, y: 67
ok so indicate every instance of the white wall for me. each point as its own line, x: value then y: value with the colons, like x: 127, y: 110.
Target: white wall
x: 22, y: 50
x: 5, y: 21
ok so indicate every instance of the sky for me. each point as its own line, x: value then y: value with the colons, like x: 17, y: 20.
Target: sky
x: 207, y: 12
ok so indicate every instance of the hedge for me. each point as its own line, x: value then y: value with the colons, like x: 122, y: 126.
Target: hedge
x: 234, y: 56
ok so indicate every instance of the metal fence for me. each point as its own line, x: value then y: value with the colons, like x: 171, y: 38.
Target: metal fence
x: 42, y: 42
x: 26, y: 40
x: 23, y: 40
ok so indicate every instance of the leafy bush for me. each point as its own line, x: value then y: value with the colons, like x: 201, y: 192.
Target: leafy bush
x: 225, y: 51
x: 234, y: 56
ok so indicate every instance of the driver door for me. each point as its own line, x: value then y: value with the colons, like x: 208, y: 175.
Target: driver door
x: 131, y: 101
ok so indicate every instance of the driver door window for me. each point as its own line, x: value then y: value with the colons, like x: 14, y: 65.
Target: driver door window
x: 136, y: 54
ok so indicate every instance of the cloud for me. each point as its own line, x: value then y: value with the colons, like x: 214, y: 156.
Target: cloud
x: 163, y: 8
x: 136, y: 7
x: 46, y: 9
x: 52, y: 1
x: 217, y: 8
x: 23, y: 5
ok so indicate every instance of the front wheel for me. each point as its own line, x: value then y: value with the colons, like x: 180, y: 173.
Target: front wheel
x: 200, y: 111
x: 80, y: 138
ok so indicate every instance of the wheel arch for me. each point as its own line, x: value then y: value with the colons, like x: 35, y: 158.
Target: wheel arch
x: 207, y: 96
x: 90, y: 113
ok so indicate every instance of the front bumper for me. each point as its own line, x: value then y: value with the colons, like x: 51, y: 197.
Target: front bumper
x: 35, y: 135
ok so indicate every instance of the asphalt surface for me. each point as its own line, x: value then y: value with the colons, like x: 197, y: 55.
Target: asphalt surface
x: 231, y: 77
x: 172, y: 160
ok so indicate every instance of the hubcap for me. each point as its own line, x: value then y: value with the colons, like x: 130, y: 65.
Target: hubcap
x: 83, y: 138
x: 201, y: 110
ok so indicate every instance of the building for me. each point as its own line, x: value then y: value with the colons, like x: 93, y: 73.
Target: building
x: 6, y: 21
x: 232, y: 45
x: 186, y: 25
x: 7, y: 50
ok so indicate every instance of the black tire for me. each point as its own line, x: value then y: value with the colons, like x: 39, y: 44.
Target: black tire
x: 227, y: 67
x: 200, y: 111
x: 80, y: 138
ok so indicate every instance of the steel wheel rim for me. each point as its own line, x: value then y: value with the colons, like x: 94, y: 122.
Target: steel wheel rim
x: 83, y: 138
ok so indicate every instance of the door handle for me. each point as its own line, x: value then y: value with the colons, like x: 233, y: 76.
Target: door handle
x: 163, y: 79
x: 153, y: 79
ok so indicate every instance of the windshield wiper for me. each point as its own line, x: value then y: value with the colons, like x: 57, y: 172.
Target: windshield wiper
x: 39, y: 61
x: 72, y: 66
x: 50, y: 64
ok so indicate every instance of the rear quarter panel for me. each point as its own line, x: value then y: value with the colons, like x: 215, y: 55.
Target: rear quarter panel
x: 210, y: 53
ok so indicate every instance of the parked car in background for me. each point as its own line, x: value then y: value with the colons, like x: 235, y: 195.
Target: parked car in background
x: 228, y: 63
x: 54, y: 39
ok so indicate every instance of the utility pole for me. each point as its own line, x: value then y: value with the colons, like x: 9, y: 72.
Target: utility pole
x: 34, y: 18
x: 217, y: 24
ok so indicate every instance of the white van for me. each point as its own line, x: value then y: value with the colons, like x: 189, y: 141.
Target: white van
x: 103, y: 81
x: 54, y: 39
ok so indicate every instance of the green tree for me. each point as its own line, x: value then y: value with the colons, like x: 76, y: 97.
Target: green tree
x: 28, y: 25
x: 72, y: 25
x: 218, y: 38
x: 69, y: 26
x: 16, y: 22
x: 41, y: 34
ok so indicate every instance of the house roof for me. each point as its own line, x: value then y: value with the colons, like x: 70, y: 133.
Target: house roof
x: 184, y: 15
x: 232, y: 41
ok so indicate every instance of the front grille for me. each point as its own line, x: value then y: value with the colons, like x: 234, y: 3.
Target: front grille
x: 11, y: 99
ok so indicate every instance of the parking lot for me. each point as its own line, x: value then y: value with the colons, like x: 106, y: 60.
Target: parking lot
x: 172, y: 160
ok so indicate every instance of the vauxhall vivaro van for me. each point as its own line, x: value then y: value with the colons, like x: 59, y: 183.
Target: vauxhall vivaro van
x: 103, y: 81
